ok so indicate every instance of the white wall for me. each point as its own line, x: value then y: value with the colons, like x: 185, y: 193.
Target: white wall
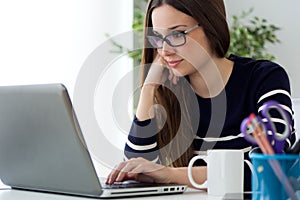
x: 47, y: 41
x: 286, y: 15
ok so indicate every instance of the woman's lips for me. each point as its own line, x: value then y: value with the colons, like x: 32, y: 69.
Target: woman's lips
x: 174, y: 64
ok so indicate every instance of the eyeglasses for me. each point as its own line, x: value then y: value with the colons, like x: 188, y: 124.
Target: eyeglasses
x: 174, y: 39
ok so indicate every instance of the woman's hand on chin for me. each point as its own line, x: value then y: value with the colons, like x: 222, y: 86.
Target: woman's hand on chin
x: 159, y: 73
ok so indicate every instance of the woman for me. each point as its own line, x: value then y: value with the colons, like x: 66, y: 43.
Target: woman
x: 192, y: 97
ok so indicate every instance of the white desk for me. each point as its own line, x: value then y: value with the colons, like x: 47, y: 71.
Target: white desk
x: 9, y: 194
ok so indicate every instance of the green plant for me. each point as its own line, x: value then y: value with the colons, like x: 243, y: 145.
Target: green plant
x: 137, y: 27
x: 250, y: 40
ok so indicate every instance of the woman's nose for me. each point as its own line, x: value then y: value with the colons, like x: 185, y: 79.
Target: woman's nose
x: 167, y: 49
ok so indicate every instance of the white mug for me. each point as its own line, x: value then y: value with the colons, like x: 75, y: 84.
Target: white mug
x: 225, y: 171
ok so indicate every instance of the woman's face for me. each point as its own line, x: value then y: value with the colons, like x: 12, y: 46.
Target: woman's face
x: 195, y: 52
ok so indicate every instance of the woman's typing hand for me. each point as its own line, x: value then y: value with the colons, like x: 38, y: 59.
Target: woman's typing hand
x: 140, y: 169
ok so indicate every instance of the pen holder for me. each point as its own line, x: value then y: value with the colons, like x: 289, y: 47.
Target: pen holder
x: 266, y: 184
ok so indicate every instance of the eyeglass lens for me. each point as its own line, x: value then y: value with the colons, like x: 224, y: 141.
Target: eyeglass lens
x: 174, y: 39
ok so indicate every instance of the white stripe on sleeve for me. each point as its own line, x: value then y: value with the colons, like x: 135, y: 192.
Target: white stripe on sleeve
x: 273, y: 92
x: 141, y: 147
x: 218, y: 139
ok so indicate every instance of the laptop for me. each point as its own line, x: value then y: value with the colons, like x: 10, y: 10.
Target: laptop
x: 42, y: 147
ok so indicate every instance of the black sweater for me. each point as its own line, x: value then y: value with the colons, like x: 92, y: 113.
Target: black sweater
x: 251, y: 84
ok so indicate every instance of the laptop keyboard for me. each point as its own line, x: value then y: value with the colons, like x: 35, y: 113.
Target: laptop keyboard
x: 128, y: 184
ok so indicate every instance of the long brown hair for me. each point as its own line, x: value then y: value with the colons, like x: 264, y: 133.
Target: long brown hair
x: 179, y: 113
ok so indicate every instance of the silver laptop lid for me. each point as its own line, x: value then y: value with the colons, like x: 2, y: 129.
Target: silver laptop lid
x: 40, y: 139
x: 42, y: 147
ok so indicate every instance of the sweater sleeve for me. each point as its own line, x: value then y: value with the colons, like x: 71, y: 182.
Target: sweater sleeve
x: 274, y: 85
x: 142, y: 140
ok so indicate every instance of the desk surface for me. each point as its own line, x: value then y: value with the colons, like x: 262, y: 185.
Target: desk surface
x: 9, y: 194
x: 6, y: 193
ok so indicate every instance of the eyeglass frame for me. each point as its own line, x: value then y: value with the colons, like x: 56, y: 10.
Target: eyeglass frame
x: 164, y: 39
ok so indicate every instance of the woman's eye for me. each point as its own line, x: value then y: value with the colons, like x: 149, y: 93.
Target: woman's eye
x: 177, y: 34
x: 156, y: 34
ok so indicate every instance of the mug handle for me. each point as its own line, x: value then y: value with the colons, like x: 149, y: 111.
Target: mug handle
x: 190, y: 175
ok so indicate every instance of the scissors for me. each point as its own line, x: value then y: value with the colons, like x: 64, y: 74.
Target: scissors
x: 276, y: 139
